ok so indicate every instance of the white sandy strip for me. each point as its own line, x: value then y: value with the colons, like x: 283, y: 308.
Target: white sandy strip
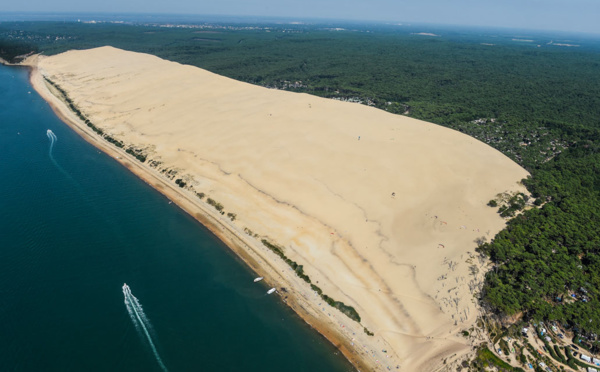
x: 380, y: 209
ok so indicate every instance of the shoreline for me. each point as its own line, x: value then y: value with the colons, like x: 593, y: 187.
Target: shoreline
x: 203, y: 215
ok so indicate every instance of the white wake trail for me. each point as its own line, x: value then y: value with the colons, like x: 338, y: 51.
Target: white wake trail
x: 52, y: 138
x: 141, y: 322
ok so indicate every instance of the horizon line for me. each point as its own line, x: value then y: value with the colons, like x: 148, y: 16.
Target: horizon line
x: 281, y: 19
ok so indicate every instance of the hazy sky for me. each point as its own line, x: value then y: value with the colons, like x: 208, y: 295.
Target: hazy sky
x: 564, y: 15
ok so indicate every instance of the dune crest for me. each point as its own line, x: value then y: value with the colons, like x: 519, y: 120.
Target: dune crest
x: 381, y: 210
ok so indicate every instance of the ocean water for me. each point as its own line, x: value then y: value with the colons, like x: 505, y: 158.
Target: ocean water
x: 75, y: 226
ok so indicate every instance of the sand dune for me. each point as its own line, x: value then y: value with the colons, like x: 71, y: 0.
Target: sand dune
x: 382, y: 210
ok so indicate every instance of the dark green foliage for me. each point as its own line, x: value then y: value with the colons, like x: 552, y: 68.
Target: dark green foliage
x: 292, y: 264
x: 558, y: 357
x: 200, y: 195
x: 492, y: 203
x: 504, y: 346
x: 571, y: 360
x: 531, y: 349
x: 10, y: 50
x: 485, y: 358
x: 577, y: 341
x: 139, y: 155
x: 316, y: 289
x: 513, y: 205
x: 523, y: 359
x: 546, y: 254
x: 568, y: 352
x: 498, y: 337
x: 154, y: 163
x: 79, y: 114
x: 300, y: 272
x: 218, y: 206
x: 559, y: 354
x: 113, y: 141
x: 169, y: 173
x: 369, y: 333
x: 349, y: 311
x: 278, y: 250
x: 181, y: 183
x: 232, y: 216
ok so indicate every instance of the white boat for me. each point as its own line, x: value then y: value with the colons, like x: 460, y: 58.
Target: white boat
x: 271, y: 290
x: 258, y: 279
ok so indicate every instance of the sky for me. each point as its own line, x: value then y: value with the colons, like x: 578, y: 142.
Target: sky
x: 558, y: 15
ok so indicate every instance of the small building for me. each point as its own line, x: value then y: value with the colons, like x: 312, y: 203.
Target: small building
x: 586, y: 358
x: 590, y: 369
x: 596, y: 361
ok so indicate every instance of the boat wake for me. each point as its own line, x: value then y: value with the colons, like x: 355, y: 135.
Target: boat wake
x: 53, y: 139
x: 141, y: 322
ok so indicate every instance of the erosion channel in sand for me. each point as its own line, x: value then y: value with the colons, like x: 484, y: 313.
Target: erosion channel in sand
x: 381, y: 211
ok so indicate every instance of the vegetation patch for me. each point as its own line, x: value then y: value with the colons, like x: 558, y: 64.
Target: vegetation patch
x: 504, y: 346
x: 486, y: 359
x: 138, y: 154
x: 250, y: 233
x: 81, y: 116
x: 513, y: 205
x: 572, y: 361
x: 349, y: 311
x: 559, y: 354
x: 218, y: 206
x: 316, y: 289
x: 154, y: 163
x: 12, y: 51
x: 115, y: 142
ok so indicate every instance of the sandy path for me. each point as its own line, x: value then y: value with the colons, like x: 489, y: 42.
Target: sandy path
x: 382, y: 210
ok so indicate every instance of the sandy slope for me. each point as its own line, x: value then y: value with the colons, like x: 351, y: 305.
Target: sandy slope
x: 382, y: 210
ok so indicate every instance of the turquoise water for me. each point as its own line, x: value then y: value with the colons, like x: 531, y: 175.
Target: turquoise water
x: 75, y: 226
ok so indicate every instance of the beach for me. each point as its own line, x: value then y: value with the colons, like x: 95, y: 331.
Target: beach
x: 382, y: 211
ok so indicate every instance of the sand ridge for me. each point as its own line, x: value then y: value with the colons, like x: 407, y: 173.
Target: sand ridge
x: 382, y: 210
